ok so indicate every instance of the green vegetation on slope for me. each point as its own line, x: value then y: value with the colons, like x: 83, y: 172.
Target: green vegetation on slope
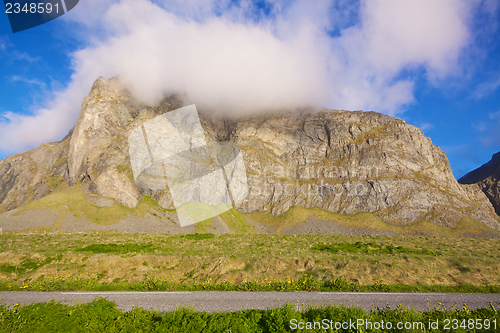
x: 236, y: 221
x: 295, y: 215
x: 72, y: 200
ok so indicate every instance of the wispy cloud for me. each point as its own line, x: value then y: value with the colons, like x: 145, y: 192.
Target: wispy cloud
x: 17, y: 78
x: 426, y: 126
x: 12, y: 55
x: 243, y: 57
x: 489, y: 135
x: 21, y: 56
x: 487, y: 88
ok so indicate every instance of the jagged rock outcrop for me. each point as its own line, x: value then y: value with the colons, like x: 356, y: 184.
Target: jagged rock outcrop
x: 98, y: 156
x: 487, y: 178
x: 341, y: 161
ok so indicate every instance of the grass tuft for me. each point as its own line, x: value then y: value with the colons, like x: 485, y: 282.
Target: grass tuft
x: 370, y: 247
x: 117, y: 248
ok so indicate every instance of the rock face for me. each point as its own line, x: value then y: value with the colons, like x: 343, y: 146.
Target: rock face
x: 350, y: 162
x: 33, y: 174
x: 487, y: 177
x: 340, y: 161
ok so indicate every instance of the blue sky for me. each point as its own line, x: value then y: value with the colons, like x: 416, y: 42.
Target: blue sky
x: 435, y: 64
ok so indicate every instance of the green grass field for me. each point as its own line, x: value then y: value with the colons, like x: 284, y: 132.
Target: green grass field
x: 107, y: 261
x: 101, y: 315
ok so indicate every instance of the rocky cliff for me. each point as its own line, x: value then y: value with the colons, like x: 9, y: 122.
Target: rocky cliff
x: 340, y: 161
x: 487, y: 177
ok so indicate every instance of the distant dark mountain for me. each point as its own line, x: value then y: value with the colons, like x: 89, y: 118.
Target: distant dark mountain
x: 487, y: 177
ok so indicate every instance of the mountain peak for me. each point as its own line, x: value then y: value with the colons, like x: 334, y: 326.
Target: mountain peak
x: 340, y: 161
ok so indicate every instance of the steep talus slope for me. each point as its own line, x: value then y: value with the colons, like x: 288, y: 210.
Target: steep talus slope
x: 487, y: 177
x: 340, y: 161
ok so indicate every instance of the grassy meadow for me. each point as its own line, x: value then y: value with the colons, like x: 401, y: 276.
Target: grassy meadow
x: 110, y: 261
x: 45, y: 258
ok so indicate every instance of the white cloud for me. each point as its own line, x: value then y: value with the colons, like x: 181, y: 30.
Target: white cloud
x: 397, y: 34
x: 239, y: 62
x: 19, y: 132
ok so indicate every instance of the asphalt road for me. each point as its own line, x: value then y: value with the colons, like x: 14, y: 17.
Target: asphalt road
x: 234, y: 301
